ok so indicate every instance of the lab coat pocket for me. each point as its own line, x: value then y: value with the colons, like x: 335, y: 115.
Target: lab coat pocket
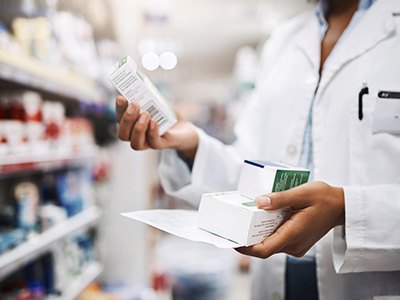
x: 374, y: 155
x: 387, y: 116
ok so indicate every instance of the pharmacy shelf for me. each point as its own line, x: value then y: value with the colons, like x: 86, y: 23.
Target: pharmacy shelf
x: 45, y: 161
x: 88, y: 275
x: 41, y: 243
x: 32, y: 73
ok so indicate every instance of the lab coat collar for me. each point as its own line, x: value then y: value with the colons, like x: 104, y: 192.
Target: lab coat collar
x: 309, y: 42
x: 376, y: 25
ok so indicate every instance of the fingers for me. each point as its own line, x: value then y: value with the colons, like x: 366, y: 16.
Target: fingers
x: 153, y: 138
x: 271, y: 245
x: 296, y: 198
x: 137, y: 128
x: 127, y: 121
x: 120, y: 106
x: 286, y: 239
x: 312, y: 205
x: 138, y: 135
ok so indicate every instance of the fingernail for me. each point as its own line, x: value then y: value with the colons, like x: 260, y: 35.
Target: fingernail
x: 143, y: 118
x: 120, y: 101
x: 263, y: 201
x: 131, y: 109
x: 152, y: 124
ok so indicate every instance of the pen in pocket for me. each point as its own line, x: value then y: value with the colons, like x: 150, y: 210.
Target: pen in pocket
x: 364, y: 91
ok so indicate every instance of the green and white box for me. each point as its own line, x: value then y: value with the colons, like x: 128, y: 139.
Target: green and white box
x: 236, y: 218
x: 261, y: 177
x: 135, y: 86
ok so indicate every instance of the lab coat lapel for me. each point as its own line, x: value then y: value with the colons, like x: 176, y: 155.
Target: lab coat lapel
x: 375, y: 26
x: 308, y: 40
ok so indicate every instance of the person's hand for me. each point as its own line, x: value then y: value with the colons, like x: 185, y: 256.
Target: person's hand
x: 316, y: 208
x: 142, y: 131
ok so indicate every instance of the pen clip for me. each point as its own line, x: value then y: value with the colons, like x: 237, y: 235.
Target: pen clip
x: 364, y: 91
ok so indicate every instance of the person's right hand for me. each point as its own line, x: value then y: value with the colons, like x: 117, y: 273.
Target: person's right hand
x: 142, y: 131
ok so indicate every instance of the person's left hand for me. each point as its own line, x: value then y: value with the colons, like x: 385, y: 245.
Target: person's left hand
x: 316, y: 208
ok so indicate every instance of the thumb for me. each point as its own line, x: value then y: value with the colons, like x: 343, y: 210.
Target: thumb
x: 293, y: 198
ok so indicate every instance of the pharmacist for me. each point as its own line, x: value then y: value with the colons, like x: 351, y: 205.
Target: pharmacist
x: 325, y: 99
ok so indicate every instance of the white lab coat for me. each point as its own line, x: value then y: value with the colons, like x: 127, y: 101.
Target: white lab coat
x: 362, y: 259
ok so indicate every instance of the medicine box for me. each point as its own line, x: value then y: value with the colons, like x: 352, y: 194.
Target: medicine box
x: 237, y: 218
x: 135, y: 86
x: 263, y: 177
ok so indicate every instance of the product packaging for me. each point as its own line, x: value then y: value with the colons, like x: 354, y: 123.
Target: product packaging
x: 10, y: 238
x: 235, y: 216
x: 135, y: 86
x: 27, y: 198
x: 262, y: 177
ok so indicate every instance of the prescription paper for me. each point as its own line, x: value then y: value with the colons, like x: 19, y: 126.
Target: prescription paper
x: 179, y: 222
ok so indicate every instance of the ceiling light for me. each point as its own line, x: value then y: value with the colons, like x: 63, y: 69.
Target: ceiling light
x: 150, y: 61
x: 168, y: 60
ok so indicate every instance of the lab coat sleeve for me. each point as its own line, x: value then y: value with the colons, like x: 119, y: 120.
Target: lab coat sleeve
x: 216, y: 166
x: 370, y: 240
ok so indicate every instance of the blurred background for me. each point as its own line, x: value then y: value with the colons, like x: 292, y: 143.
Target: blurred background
x: 64, y: 176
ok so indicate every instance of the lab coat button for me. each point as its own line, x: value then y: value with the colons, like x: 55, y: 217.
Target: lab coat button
x: 311, y: 79
x: 276, y: 296
x: 292, y: 150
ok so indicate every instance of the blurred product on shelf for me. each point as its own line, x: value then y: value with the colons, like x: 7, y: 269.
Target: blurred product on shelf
x: 50, y: 215
x: 74, y: 191
x: 55, y: 273
x: 10, y: 238
x: 26, y: 195
x: 55, y: 50
x: 41, y: 203
x: 102, y: 167
x: 61, y: 39
x: 94, y: 292
x: 29, y: 125
x: 34, y: 36
x: 7, y: 42
x: 76, y: 43
x: 109, y: 52
x: 53, y: 119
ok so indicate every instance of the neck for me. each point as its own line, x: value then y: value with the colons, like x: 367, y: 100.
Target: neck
x: 342, y: 6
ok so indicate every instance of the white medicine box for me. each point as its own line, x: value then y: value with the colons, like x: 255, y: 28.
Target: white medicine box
x: 135, y: 86
x: 235, y: 216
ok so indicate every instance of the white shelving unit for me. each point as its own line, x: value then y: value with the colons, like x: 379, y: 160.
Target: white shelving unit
x: 30, y: 72
x: 88, y: 275
x: 46, y: 161
x: 39, y: 244
x: 61, y: 84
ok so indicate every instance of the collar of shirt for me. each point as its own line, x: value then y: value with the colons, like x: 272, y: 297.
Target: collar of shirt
x: 322, y: 9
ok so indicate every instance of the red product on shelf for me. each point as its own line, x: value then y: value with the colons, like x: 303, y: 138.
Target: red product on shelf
x: 17, y: 109
x: 23, y: 295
